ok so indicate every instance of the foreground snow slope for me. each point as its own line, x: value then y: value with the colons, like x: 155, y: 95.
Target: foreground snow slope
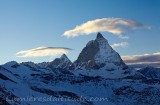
x: 133, y: 89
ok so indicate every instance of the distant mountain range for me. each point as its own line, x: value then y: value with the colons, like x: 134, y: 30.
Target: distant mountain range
x: 98, y: 77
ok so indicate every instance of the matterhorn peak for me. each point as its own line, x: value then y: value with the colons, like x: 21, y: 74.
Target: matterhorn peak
x: 101, y: 40
x: 99, y: 36
x: 99, y: 54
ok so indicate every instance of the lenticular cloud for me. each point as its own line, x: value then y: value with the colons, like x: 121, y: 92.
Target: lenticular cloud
x: 43, y: 51
x: 115, y: 26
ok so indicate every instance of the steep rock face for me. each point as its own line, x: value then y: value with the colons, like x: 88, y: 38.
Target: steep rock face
x: 62, y: 63
x: 88, y: 52
x: 101, y: 54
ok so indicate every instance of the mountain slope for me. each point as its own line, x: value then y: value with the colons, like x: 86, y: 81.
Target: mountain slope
x: 63, y: 88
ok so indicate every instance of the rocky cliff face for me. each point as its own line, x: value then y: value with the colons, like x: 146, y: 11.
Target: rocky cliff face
x: 98, y: 54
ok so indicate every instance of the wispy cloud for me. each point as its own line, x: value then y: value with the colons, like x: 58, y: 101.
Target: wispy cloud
x: 122, y: 45
x: 117, y: 26
x: 142, y: 59
x: 43, y: 51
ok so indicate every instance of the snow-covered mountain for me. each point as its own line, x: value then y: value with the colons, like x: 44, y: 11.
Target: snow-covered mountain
x: 98, y: 58
x: 97, y: 77
x: 62, y: 63
x: 99, y: 54
x: 59, y: 63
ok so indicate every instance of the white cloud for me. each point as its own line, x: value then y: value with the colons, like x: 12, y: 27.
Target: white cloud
x: 43, y: 51
x: 142, y: 59
x: 122, y: 44
x: 117, y: 26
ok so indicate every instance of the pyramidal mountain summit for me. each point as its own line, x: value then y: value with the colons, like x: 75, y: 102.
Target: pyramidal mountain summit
x: 98, y: 77
x: 99, y: 54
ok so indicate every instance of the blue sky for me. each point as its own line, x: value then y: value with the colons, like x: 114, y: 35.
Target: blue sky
x: 28, y: 24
